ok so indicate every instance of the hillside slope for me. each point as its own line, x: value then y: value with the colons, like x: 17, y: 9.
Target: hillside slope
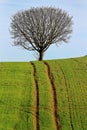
x: 47, y: 95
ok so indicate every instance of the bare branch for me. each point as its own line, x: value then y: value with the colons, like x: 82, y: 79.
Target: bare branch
x: 38, y: 28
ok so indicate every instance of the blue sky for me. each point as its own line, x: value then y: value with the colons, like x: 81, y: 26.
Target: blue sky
x: 77, y: 45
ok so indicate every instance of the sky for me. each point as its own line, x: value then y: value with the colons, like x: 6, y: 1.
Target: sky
x: 76, y: 47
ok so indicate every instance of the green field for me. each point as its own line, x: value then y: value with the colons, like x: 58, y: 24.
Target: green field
x: 44, y: 95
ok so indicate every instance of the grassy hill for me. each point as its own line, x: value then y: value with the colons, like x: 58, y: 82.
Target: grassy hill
x: 47, y: 95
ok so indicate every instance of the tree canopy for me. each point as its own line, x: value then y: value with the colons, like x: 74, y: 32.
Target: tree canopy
x: 36, y: 29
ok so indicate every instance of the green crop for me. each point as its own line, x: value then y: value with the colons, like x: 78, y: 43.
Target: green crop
x: 44, y: 95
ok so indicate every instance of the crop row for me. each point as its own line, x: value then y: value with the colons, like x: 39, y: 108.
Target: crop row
x: 49, y: 95
x: 71, y: 86
x: 16, y: 96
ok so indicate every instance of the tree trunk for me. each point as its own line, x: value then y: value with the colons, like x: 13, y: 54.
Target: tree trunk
x: 40, y: 55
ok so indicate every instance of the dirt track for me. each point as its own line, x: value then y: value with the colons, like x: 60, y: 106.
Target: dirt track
x: 36, y: 110
x: 54, y: 97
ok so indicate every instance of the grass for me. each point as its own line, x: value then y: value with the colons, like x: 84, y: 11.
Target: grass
x: 17, y: 95
x: 45, y: 105
x: 72, y: 82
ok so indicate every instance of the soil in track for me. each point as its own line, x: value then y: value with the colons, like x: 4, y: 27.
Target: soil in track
x: 36, y: 110
x: 54, y: 97
x: 72, y: 127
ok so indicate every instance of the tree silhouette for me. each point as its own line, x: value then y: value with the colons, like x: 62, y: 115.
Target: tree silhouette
x: 38, y: 28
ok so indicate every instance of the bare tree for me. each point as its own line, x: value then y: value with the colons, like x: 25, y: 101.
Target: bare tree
x: 38, y: 28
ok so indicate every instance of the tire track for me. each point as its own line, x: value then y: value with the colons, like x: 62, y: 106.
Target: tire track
x: 36, y: 110
x: 54, y: 97
x: 72, y: 127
